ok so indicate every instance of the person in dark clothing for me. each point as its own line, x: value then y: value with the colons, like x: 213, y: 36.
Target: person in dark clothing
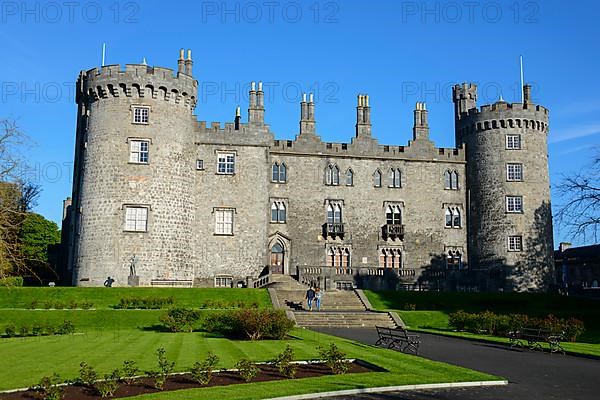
x: 310, y: 295
x: 108, y: 282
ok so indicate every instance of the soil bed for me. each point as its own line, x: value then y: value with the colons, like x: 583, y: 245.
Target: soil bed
x: 184, y: 381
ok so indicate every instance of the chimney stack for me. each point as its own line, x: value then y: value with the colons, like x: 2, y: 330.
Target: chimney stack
x: 256, y: 111
x: 307, y: 115
x: 238, y: 118
x: 363, y: 116
x: 526, y: 94
x: 421, y: 124
x: 189, y: 63
x: 181, y: 62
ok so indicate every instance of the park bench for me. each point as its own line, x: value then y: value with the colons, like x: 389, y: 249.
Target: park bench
x: 398, y: 338
x: 535, y: 337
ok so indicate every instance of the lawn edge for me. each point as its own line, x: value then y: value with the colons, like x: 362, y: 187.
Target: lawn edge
x: 401, y: 388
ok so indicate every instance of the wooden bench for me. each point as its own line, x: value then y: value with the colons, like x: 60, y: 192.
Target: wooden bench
x: 398, y: 338
x: 535, y: 337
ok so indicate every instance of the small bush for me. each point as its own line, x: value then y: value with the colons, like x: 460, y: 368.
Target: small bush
x: 72, y: 304
x: 109, y: 385
x: 48, y: 388
x: 37, y: 329
x: 180, y: 319
x: 409, y: 307
x: 10, y: 330
x: 130, y: 370
x: 34, y: 304
x: 12, y: 281
x: 66, y: 328
x: 283, y: 362
x: 165, y: 367
x: 202, y: 371
x: 86, y: 305
x: 253, y: 324
x: 334, y: 358
x: 145, y: 303
x: 24, y: 330
x: 87, y: 375
x: 247, y: 369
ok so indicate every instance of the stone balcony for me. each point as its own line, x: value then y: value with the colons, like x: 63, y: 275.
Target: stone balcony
x: 393, y: 231
x: 335, y: 230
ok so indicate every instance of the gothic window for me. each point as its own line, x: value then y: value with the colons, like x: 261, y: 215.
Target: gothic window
x: 141, y: 115
x: 332, y: 175
x: 456, y: 218
x: 338, y: 257
x: 514, y: 204
x: 377, y: 178
x: 334, y: 214
x: 138, y: 151
x: 277, y: 254
x: 278, y: 212
x: 349, y: 177
x: 283, y: 173
x: 279, y: 173
x: 395, y: 178
x: 515, y: 243
x: 448, y: 218
x: 393, y: 215
x: 226, y: 163
x: 224, y: 221
x: 451, y: 180
x: 136, y: 219
x: 390, y: 258
x: 454, y: 259
x: 514, y: 172
x: 453, y: 217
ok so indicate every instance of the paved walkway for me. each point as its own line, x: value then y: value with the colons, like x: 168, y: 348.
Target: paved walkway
x: 532, y: 374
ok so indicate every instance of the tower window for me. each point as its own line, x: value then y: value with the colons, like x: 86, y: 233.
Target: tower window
x: 141, y: 115
x: 515, y: 243
x: 332, y: 175
x: 138, y: 151
x: 136, y: 219
x: 200, y: 165
x: 513, y: 142
x: 451, y: 180
x: 226, y: 163
x: 514, y: 172
x: 377, y: 179
x: 395, y: 178
x: 224, y: 221
x: 514, y: 204
x: 278, y: 212
x: 349, y: 177
x: 279, y: 173
x: 453, y: 217
x: 334, y: 214
x: 393, y: 215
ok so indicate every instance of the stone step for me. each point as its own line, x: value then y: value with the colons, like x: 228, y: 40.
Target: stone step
x: 343, y: 319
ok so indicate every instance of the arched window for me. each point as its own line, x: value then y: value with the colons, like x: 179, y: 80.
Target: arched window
x: 382, y: 258
x: 453, y: 259
x: 377, y: 178
x: 282, y: 173
x: 595, y: 283
x: 454, y: 180
x: 278, y: 212
x: 397, y: 264
x: 349, y: 177
x: 395, y: 178
x: 275, y: 175
x: 274, y: 212
x: 393, y: 215
x: 337, y: 214
x: 330, y: 257
x: 448, y: 218
x: 335, y: 179
x: 330, y: 214
x: 447, y: 180
x: 277, y: 253
x: 282, y: 213
x: 456, y: 218
x: 346, y: 259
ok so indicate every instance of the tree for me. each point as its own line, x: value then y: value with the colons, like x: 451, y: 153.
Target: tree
x: 36, y: 235
x: 580, y: 213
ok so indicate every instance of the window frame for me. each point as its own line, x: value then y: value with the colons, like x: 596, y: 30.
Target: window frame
x: 516, y: 174
x: 139, y: 152
x: 512, y: 145
x: 127, y: 218
x: 277, y: 207
x: 227, y: 279
x: 349, y: 177
x: 226, y: 162
x: 223, y: 223
x: 377, y: 179
x: 141, y: 121
x: 515, y: 243
x: 395, y: 178
x: 511, y: 204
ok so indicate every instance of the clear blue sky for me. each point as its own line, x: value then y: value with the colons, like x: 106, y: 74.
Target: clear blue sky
x: 398, y: 52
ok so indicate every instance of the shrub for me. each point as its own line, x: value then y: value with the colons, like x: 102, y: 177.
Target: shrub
x: 202, y: 370
x: 87, y: 375
x: 253, y: 324
x: 66, y: 328
x: 247, y: 369
x: 284, y: 362
x: 10, y: 330
x: 37, y: 329
x: 165, y: 367
x: 334, y: 358
x: 34, y: 304
x: 72, y: 304
x: 11, y: 281
x: 24, y: 330
x: 151, y: 303
x: 573, y: 329
x: 130, y: 370
x: 86, y: 305
x: 180, y: 319
x: 109, y: 385
x: 49, y: 389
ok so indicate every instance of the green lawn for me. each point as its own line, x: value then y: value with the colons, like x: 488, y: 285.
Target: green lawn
x: 105, y: 298
x: 25, y: 361
x: 433, y: 309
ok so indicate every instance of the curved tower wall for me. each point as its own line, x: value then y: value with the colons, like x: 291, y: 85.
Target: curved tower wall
x: 106, y: 182
x: 484, y: 134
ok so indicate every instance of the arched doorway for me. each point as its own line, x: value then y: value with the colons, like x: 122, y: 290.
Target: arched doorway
x: 277, y: 258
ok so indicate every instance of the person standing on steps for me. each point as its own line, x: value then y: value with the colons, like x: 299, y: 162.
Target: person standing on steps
x: 310, y: 295
x: 318, y: 295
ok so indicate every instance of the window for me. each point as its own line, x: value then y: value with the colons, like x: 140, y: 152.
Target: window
x: 278, y: 212
x: 390, y: 258
x: 514, y: 172
x: 377, y: 178
x: 224, y: 281
x: 332, y: 175
x: 451, y: 180
x: 199, y: 165
x: 395, y: 178
x: 136, y: 219
x: 514, y: 204
x: 138, y: 151
x: 513, y: 142
x: 393, y: 215
x: 224, y: 222
x: 453, y: 259
x: 339, y: 257
x: 279, y: 173
x: 226, y: 163
x: 334, y: 214
x: 141, y: 115
x: 349, y: 178
x: 515, y: 243
x: 453, y: 217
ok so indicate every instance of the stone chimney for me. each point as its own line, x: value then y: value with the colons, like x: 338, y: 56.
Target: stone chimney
x: 421, y: 124
x: 363, y: 116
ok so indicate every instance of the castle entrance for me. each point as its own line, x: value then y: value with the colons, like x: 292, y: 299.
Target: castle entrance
x: 277, y: 258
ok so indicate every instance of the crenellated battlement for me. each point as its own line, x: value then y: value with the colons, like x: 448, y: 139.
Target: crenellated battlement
x: 138, y: 81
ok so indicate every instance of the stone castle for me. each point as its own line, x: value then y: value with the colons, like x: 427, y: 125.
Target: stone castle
x: 162, y: 199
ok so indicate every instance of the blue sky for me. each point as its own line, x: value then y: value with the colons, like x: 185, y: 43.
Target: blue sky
x: 398, y: 52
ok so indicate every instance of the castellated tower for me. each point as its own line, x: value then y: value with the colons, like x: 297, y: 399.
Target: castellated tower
x: 510, y: 221
x: 133, y: 180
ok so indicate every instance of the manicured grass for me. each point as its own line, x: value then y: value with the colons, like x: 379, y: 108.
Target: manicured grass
x: 25, y: 361
x: 103, y: 298
x: 444, y: 303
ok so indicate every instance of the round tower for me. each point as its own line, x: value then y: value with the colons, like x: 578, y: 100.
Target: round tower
x: 133, y: 183
x: 510, y: 220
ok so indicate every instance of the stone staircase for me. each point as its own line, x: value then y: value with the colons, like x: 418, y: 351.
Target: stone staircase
x: 339, y: 308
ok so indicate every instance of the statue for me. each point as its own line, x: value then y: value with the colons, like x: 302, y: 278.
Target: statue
x: 132, y: 261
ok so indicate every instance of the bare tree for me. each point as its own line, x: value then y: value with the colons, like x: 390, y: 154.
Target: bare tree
x: 580, y: 213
